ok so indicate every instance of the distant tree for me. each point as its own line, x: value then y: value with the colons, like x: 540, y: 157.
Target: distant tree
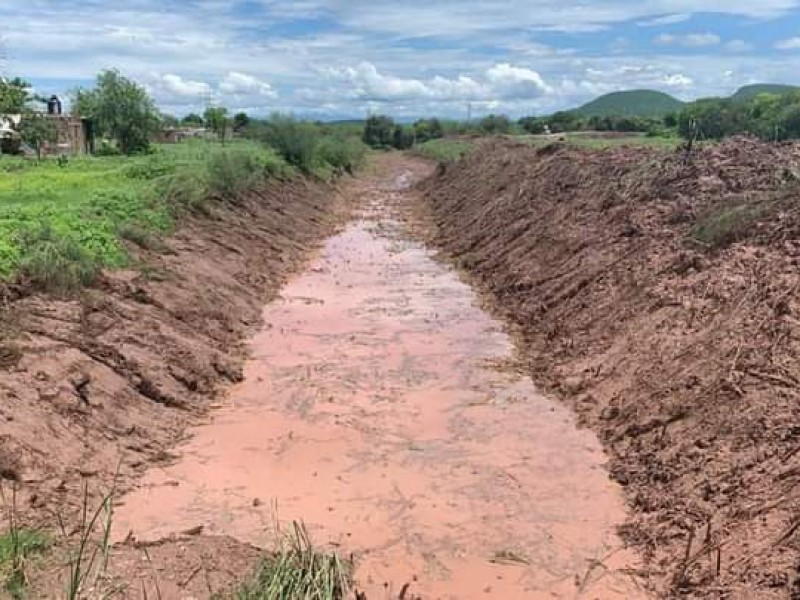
x: 428, y: 129
x: 192, y: 120
x: 495, y: 124
x: 169, y: 120
x: 216, y: 119
x: 533, y: 125
x: 402, y: 138
x: 38, y: 130
x: 240, y: 121
x: 120, y: 109
x: 379, y: 132
x: 14, y: 95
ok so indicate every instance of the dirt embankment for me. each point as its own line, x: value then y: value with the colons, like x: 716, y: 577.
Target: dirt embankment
x: 110, y: 381
x: 659, y: 295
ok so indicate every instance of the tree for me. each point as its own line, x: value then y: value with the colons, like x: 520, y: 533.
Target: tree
x: 379, y: 132
x: 216, y: 119
x: 120, y: 109
x: 240, y: 121
x: 37, y: 130
x: 14, y: 95
x: 169, y: 120
x: 192, y: 120
x: 495, y: 124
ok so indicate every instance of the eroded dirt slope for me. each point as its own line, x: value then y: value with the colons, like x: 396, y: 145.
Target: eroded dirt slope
x: 109, y: 381
x: 659, y: 296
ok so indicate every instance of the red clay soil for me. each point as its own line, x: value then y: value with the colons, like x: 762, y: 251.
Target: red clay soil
x: 659, y: 295
x: 108, y: 382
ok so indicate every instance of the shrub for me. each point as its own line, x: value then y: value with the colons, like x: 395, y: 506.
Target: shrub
x: 296, y: 142
x: 55, y: 263
x: 343, y: 152
x: 233, y: 171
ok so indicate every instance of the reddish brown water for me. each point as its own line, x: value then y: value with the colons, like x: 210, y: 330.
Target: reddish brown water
x: 378, y: 408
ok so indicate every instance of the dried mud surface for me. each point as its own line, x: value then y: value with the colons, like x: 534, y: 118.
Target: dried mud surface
x: 682, y: 356
x: 96, y: 389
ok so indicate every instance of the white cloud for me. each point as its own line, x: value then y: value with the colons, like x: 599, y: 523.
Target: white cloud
x: 738, y: 46
x: 691, y: 40
x: 677, y: 80
x: 241, y: 84
x: 790, y: 44
x: 665, y: 20
x: 501, y: 81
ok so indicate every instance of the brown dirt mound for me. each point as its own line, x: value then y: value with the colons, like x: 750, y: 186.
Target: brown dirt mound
x: 659, y: 295
x: 111, y: 380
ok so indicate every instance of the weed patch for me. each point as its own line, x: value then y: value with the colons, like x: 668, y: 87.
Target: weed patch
x: 727, y: 225
x: 442, y: 150
x: 298, y: 570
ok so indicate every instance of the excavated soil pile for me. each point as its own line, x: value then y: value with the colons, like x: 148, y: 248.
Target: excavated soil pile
x: 659, y: 294
x: 108, y: 382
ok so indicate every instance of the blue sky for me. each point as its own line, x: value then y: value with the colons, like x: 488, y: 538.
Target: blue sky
x: 341, y: 58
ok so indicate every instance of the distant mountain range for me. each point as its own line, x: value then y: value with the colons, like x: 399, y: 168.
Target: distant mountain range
x: 651, y: 103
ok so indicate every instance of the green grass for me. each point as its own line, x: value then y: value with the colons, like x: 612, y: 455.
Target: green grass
x: 443, y: 150
x: 17, y: 548
x: 60, y: 225
x: 297, y: 570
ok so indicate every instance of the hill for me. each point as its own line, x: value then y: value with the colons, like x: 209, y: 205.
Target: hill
x: 749, y: 92
x: 633, y: 103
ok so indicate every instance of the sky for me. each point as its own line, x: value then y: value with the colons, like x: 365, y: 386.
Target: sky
x: 336, y: 59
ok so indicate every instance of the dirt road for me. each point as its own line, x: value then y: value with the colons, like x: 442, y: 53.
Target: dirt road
x: 381, y: 407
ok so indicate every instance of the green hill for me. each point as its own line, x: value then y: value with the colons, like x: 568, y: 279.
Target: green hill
x: 749, y: 92
x: 633, y: 103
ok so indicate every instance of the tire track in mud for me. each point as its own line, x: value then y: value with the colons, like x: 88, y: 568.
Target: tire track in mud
x: 378, y: 408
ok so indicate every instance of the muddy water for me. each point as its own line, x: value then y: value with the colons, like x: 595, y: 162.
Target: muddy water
x: 378, y: 407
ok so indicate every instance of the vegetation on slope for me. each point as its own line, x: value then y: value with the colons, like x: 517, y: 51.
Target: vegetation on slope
x: 749, y: 92
x: 633, y: 103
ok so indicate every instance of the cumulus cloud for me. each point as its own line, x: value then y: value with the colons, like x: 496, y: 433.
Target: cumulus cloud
x: 241, y: 84
x: 502, y: 81
x: 789, y: 44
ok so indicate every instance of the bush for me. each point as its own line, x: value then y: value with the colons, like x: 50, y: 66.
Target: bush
x: 55, y: 263
x: 296, y: 142
x: 343, y: 152
x: 233, y: 171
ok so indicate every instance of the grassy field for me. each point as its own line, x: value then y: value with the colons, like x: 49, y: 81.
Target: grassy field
x: 443, y: 150
x: 60, y: 224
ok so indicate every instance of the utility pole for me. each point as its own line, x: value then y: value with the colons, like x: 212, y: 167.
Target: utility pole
x: 469, y: 112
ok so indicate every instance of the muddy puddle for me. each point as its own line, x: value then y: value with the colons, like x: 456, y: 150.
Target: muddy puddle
x: 379, y: 408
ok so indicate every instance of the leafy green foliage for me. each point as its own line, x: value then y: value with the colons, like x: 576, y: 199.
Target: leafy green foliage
x: 769, y: 116
x: 192, y: 120
x: 343, y: 152
x: 428, y: 129
x: 495, y: 124
x: 120, y: 109
x: 379, y: 131
x: 296, y: 141
x: 37, y: 130
x: 59, y: 225
x: 240, y: 121
x: 54, y: 262
x: 216, y: 119
x: 14, y: 95
x: 631, y: 103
